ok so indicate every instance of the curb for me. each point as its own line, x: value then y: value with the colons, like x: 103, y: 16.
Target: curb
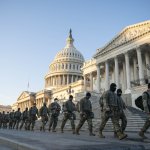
x: 16, y: 145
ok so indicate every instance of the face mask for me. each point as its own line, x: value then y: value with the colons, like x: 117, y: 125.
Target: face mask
x: 119, y: 94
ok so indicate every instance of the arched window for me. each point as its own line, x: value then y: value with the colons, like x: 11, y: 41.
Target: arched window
x: 62, y: 66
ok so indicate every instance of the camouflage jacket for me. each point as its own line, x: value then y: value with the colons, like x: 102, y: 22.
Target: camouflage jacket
x: 85, y: 105
x: 146, y: 101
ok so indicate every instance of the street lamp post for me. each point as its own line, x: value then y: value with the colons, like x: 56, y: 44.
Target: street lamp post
x: 69, y: 91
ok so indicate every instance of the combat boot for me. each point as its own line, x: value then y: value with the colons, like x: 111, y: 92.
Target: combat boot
x: 62, y: 131
x: 73, y: 131
x: 40, y: 128
x: 77, y: 131
x: 115, y: 135
x: 141, y: 134
x: 54, y: 130
x: 91, y: 133
x: 101, y: 135
x: 121, y: 136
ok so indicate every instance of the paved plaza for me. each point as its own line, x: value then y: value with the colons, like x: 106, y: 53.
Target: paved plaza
x: 36, y: 140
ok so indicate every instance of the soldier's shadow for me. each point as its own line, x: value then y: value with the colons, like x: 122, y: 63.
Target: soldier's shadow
x: 138, y: 140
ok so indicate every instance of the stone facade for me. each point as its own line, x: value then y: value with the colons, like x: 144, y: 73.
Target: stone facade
x: 125, y: 60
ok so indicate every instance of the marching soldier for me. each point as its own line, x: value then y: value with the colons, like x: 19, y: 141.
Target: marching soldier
x: 17, y: 117
x: 110, y: 109
x: 69, y: 108
x: 146, y: 105
x: 11, y: 119
x: 1, y: 118
x: 86, y: 114
x: 44, y: 112
x: 55, y: 111
x: 25, y: 116
x: 33, y: 113
x: 122, y: 107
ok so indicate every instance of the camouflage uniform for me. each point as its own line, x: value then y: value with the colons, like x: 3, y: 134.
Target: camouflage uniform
x: 11, y: 119
x: 123, y: 118
x: 69, y: 108
x: 85, y: 114
x: 44, y: 112
x: 17, y: 118
x: 24, y: 118
x: 33, y: 111
x: 146, y: 103
x: 110, y: 109
x: 55, y: 110
x: 6, y: 119
x: 1, y: 117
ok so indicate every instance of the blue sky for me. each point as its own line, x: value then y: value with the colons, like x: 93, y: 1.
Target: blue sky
x: 33, y: 31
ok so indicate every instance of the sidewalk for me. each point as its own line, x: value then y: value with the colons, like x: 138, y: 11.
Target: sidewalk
x: 28, y: 140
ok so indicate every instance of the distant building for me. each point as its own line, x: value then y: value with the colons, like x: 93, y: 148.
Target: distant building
x: 5, y: 108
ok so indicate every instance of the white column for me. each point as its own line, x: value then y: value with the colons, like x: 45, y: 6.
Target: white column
x: 147, y: 60
x: 91, y: 82
x: 141, y: 72
x: 67, y: 79
x: 135, y: 69
x: 85, y: 82
x: 106, y: 75
x: 127, y: 71
x: 72, y: 79
x: 76, y: 78
x: 116, y: 72
x: 98, y: 77
x: 63, y: 79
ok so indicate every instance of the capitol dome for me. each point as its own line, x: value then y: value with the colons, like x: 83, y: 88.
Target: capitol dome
x: 66, y: 67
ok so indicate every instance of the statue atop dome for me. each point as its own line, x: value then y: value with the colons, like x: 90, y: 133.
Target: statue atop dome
x: 70, y: 40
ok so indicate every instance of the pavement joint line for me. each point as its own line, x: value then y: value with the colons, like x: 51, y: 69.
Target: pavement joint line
x: 16, y: 145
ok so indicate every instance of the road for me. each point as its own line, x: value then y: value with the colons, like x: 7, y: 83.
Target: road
x: 36, y: 140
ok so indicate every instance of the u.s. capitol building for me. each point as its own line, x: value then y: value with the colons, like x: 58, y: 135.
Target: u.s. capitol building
x: 124, y: 60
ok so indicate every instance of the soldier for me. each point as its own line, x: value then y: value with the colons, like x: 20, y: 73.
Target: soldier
x: 122, y: 107
x: 55, y: 111
x: 146, y: 105
x: 17, y: 118
x: 69, y: 108
x: 24, y: 117
x: 33, y: 113
x: 11, y: 119
x: 110, y: 109
x: 6, y: 119
x: 86, y: 114
x: 1, y: 117
x: 44, y: 112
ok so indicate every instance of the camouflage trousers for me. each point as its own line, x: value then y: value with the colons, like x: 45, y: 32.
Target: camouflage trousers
x: 83, y: 118
x: 114, y: 115
x: 31, y: 123
x: 24, y: 122
x: 16, y: 123
x: 53, y: 122
x: 44, y: 120
x: 123, y: 121
x: 147, y: 124
x: 66, y: 117
x: 11, y: 122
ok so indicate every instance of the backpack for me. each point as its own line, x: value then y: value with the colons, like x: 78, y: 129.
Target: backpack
x: 139, y: 102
